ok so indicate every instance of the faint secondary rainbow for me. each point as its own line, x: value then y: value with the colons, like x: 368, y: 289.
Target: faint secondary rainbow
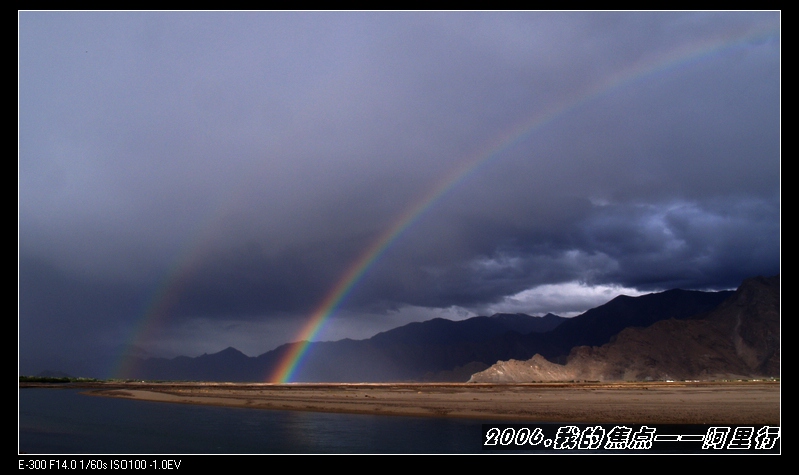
x: 165, y: 296
x: 156, y: 310
x: 290, y: 362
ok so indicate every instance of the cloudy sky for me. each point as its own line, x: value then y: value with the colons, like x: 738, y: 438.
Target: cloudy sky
x: 192, y: 181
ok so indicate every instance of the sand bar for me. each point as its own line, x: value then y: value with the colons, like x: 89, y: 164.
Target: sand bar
x: 754, y: 402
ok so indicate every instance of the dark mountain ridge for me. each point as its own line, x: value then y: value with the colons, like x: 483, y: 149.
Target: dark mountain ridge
x: 598, y: 325
x: 439, y: 349
x: 404, y: 353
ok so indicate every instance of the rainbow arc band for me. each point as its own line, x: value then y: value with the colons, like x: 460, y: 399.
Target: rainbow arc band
x: 166, y: 293
x: 292, y: 360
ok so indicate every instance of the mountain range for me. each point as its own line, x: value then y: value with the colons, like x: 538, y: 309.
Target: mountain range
x: 444, y: 350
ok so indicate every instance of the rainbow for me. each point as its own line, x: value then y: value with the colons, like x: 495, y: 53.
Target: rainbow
x: 156, y: 311
x: 288, y: 365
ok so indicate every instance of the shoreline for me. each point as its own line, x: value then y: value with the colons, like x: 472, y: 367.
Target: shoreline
x: 746, y: 402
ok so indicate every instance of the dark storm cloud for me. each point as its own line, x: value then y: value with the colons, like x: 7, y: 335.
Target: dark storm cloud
x: 239, y: 163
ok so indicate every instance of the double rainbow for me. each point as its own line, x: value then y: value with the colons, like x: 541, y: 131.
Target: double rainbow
x: 157, y: 310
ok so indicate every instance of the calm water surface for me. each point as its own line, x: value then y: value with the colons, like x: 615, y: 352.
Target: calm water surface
x: 64, y: 421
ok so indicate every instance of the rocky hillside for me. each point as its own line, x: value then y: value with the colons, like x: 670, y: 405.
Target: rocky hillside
x: 739, y: 339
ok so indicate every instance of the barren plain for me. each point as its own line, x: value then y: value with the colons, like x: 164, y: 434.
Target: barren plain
x: 742, y: 402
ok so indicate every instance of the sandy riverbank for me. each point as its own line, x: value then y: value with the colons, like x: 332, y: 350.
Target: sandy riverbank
x: 651, y: 403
